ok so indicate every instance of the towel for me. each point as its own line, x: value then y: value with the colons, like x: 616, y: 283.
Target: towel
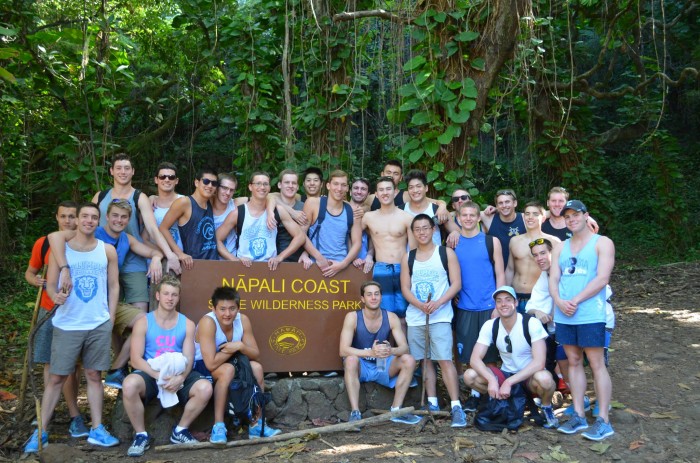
x: 168, y: 364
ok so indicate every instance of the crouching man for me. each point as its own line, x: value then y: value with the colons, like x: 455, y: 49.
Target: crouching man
x: 523, y: 361
x: 364, y: 339
x: 221, y: 334
x: 160, y: 332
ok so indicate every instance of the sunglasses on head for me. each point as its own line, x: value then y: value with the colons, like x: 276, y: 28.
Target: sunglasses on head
x: 167, y: 177
x: 207, y: 181
x: 538, y: 242
x: 461, y: 198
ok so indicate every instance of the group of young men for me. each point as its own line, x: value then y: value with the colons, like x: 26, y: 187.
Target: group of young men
x: 493, y: 260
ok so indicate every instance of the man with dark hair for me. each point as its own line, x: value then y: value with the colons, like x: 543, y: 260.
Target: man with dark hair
x: 417, y: 184
x: 164, y: 331
x: 220, y: 335
x: 83, y: 323
x: 195, y: 219
x: 507, y: 223
x: 364, y: 339
x: 66, y: 219
x: 166, y: 180
x: 313, y: 183
x: 359, y: 191
x: 132, y: 277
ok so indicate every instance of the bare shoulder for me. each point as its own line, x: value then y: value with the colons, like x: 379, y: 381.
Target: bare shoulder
x: 551, y: 238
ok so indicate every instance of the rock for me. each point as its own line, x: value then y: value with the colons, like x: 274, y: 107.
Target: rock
x: 623, y: 417
x: 294, y: 411
x: 280, y: 391
x: 59, y: 453
x: 318, y: 405
x: 331, y: 388
x: 310, y: 384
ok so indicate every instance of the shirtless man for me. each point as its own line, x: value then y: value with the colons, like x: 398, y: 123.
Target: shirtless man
x: 522, y: 271
x: 389, y: 228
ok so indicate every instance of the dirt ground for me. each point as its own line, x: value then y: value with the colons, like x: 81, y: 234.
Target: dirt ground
x: 654, y: 364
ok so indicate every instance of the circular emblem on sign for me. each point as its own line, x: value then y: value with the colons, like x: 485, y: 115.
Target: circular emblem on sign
x: 287, y: 340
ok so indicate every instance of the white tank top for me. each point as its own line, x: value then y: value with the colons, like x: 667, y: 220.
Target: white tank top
x: 257, y: 242
x: 159, y: 213
x: 220, y: 337
x: 429, y: 277
x: 87, y: 306
x: 230, y: 241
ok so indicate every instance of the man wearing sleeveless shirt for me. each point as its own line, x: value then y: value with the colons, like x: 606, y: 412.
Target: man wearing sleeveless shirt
x: 82, y: 324
x: 365, y: 338
x: 288, y: 186
x: 507, y: 223
x: 578, y: 277
x: 195, y: 218
x: 164, y: 330
x: 166, y: 180
x: 429, y: 289
x: 220, y: 335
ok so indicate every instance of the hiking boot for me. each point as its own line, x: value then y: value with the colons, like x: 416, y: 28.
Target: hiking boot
x: 586, y: 407
x: 100, y: 436
x: 254, y: 431
x: 459, y: 419
x: 139, y: 446
x: 599, y: 431
x: 551, y: 421
x: 355, y: 415
x: 77, y: 427
x: 472, y: 403
x: 182, y: 437
x: 575, y: 424
x: 32, y: 445
x: 115, y: 378
x: 218, y: 434
x: 406, y: 419
x: 596, y: 410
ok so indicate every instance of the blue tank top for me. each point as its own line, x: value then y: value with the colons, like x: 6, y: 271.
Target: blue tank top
x: 220, y: 337
x: 576, y: 272
x: 199, y: 233
x: 504, y: 231
x: 121, y: 243
x: 478, y: 282
x: 159, y: 340
x: 332, y: 239
x: 132, y: 262
x: 364, y: 247
x: 363, y: 339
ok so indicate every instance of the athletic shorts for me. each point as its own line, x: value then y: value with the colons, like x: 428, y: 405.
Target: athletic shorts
x: 93, y: 346
x: 41, y: 352
x: 152, y: 386
x: 561, y: 354
x: 134, y: 287
x: 369, y: 373
x: 440, y: 341
x: 467, y: 326
x: 586, y: 335
x: 389, y: 277
x: 522, y: 302
x: 126, y: 313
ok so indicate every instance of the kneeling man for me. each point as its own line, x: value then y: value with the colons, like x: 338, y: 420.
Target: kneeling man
x: 220, y: 335
x: 159, y: 332
x: 523, y: 362
x: 364, y: 340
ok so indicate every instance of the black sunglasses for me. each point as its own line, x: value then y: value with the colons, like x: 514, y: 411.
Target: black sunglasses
x: 208, y: 181
x: 167, y: 177
x: 572, y: 269
x: 461, y: 198
x: 509, y: 345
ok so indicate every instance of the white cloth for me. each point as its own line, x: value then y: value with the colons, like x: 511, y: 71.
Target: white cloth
x: 168, y: 364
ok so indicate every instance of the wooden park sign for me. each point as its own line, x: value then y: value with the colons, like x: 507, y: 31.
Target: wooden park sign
x: 296, y: 314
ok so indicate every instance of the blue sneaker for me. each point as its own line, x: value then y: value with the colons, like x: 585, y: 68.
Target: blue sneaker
x: 218, y: 434
x: 32, y: 445
x: 254, y: 431
x: 182, y: 437
x: 599, y: 431
x: 355, y: 415
x: 596, y: 410
x: 586, y: 407
x: 459, y: 419
x: 414, y: 382
x: 406, y: 419
x: 139, y: 446
x: 575, y: 424
x: 115, y: 379
x: 77, y: 427
x: 432, y: 408
x: 551, y: 421
x: 100, y: 436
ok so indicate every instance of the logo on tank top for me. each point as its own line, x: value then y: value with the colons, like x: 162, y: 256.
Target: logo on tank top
x: 206, y: 228
x: 165, y: 344
x: 86, y: 287
x: 287, y: 340
x: 257, y: 247
x: 513, y: 231
x: 423, y: 290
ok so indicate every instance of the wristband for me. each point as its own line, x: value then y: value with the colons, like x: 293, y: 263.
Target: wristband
x: 63, y: 266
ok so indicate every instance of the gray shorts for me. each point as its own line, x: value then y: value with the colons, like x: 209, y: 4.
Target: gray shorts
x: 41, y: 352
x: 134, y: 287
x: 92, y: 346
x: 440, y: 341
x: 468, y: 323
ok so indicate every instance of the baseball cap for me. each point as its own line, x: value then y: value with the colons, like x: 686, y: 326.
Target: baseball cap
x: 575, y: 205
x: 505, y: 289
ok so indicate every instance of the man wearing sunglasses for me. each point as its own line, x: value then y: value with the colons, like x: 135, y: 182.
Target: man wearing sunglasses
x: 194, y: 217
x: 578, y: 277
x: 523, y: 361
x: 166, y: 180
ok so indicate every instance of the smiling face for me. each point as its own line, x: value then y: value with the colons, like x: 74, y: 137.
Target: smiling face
x: 338, y: 188
x: 225, y: 312
x: 458, y: 194
x: 417, y: 190
x: 225, y: 190
x: 543, y: 256
x: 166, y: 180
x: 505, y: 305
x: 66, y: 218
x: 312, y: 185
x: 575, y: 220
x: 117, y: 220
x: 88, y: 219
x: 556, y: 203
x: 506, y: 205
x: 371, y: 297
x: 259, y: 186
x: 122, y: 171
x: 288, y: 185
x: 385, y: 192
x: 469, y: 218
x: 206, y: 186
x: 423, y: 231
x: 359, y: 191
x: 533, y: 217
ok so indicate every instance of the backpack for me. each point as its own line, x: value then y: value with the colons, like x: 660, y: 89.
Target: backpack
x: 526, y: 329
x: 134, y: 198
x: 246, y: 400
x: 500, y: 414
x: 322, y: 209
x: 241, y: 218
x: 443, y: 258
x: 45, y: 246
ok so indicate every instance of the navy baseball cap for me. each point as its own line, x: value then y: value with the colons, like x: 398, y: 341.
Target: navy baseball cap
x: 576, y: 205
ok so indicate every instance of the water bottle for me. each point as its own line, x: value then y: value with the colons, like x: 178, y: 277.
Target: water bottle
x: 381, y: 364
x: 460, y: 347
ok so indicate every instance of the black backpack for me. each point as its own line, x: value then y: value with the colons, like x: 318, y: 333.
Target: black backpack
x: 499, y: 414
x: 246, y: 400
x: 443, y: 259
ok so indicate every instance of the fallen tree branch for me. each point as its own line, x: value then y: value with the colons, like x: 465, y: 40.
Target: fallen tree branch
x: 350, y: 426
x: 378, y: 411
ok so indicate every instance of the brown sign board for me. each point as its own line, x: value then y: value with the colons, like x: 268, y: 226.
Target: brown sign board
x: 296, y: 314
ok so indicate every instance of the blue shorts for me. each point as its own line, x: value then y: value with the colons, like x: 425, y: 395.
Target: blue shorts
x: 200, y: 367
x: 389, y: 277
x: 561, y: 354
x: 586, y: 335
x: 369, y: 373
x: 522, y: 302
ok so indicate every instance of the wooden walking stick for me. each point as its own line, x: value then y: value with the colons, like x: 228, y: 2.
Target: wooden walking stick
x: 25, y: 366
x: 426, y: 354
